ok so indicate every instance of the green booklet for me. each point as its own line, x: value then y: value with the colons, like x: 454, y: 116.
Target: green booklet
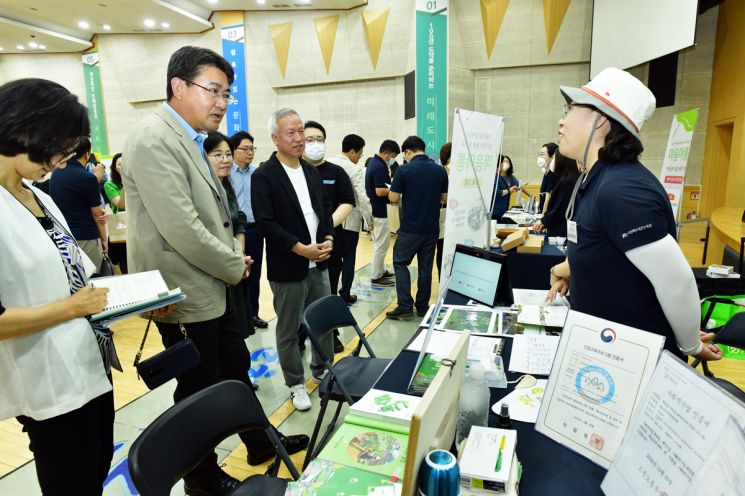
x: 326, y: 478
x: 425, y: 375
x: 375, y: 450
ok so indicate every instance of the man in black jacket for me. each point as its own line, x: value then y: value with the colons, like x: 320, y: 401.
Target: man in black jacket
x: 294, y: 216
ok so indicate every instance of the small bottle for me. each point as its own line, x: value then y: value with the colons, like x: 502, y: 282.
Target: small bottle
x: 473, y: 406
x: 503, y: 419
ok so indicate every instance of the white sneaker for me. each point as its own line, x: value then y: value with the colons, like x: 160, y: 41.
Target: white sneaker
x: 300, y: 398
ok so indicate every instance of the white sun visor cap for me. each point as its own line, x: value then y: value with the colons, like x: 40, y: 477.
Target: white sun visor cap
x: 617, y: 94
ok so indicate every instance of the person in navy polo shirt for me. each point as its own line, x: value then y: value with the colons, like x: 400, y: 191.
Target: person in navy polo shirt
x: 422, y: 185
x: 626, y: 265
x: 377, y: 182
x: 76, y: 193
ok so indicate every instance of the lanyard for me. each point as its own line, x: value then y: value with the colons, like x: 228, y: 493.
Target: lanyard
x: 570, y: 208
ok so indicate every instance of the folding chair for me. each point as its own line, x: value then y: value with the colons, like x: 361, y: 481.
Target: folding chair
x: 351, y: 377
x: 731, y: 334
x: 185, y: 433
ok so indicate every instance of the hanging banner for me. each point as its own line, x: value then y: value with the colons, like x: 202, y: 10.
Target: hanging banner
x: 673, y: 171
x: 94, y: 98
x: 233, y: 49
x: 477, y: 139
x: 432, y: 73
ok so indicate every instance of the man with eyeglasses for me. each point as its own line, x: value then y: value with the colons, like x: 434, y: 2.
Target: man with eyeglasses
x: 179, y: 223
x: 240, y: 178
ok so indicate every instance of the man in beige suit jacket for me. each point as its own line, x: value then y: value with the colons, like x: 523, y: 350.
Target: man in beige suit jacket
x: 178, y: 222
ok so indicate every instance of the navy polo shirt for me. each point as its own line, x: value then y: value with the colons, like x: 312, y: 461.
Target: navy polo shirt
x: 75, y: 191
x: 619, y: 207
x: 377, y: 176
x: 421, y: 183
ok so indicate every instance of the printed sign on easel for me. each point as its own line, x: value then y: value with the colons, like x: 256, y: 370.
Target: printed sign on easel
x: 673, y: 171
x: 477, y: 140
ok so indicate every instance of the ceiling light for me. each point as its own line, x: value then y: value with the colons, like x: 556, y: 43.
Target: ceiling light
x: 149, y: 23
x: 261, y: 2
x: 1, y: 49
x: 20, y: 47
x: 212, y: 1
x: 33, y: 44
x: 42, y: 47
x: 165, y: 25
x: 106, y: 27
x: 83, y: 25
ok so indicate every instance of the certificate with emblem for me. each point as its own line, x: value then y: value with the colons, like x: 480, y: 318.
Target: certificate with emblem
x: 598, y: 378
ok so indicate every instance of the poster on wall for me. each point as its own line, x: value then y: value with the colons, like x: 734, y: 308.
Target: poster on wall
x: 477, y: 140
x: 233, y: 49
x: 673, y: 171
x: 432, y: 73
x: 94, y: 99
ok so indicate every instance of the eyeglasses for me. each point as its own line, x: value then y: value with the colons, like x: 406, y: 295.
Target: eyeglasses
x: 67, y: 156
x: 246, y: 149
x: 214, y: 93
x: 220, y: 156
x: 310, y: 141
x: 569, y: 106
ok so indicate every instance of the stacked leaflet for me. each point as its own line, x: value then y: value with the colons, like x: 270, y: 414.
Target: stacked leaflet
x: 374, y: 436
x: 488, y: 459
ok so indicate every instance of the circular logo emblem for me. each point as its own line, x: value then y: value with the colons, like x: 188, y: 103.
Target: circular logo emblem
x: 608, y: 335
x: 595, y: 384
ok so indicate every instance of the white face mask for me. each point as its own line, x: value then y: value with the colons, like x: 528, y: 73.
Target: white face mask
x: 541, y: 162
x: 315, y: 150
x: 390, y: 162
x: 505, y: 166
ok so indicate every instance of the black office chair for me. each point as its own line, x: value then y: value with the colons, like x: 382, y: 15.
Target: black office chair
x: 731, y: 334
x: 351, y: 377
x: 185, y: 433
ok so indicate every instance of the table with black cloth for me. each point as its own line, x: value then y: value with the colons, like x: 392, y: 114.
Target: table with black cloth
x: 531, y: 270
x: 548, y: 467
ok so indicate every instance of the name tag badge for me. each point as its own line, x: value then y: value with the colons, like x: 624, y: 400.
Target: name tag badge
x: 572, y: 231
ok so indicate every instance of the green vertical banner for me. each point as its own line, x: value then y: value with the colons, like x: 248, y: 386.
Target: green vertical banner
x: 94, y: 98
x: 432, y: 73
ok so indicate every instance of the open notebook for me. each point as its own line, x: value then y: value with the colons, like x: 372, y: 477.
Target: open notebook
x: 133, y: 294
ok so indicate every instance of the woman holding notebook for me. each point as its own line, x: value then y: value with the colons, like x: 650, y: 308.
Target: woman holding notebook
x: 52, y: 370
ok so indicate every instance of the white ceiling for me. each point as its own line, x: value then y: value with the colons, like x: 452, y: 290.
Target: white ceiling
x: 53, y: 25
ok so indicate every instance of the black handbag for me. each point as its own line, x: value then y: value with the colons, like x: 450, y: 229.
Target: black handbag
x: 106, y: 269
x: 168, y: 364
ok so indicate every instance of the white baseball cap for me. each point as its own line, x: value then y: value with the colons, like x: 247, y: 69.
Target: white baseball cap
x: 617, y: 94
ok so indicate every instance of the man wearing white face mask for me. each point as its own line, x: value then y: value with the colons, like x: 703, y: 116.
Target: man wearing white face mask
x: 377, y: 184
x: 339, y: 190
x: 545, y: 162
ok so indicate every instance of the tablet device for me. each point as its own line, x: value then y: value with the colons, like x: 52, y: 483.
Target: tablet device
x: 481, y: 275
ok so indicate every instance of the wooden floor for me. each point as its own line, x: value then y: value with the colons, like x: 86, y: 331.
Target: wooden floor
x: 128, y: 333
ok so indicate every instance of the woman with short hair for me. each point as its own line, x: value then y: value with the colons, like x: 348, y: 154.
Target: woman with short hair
x: 55, y: 364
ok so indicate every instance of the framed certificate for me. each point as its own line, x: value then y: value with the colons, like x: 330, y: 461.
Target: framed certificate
x: 597, y: 380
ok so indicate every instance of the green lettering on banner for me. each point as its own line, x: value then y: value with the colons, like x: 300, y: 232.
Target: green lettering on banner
x: 432, y: 73
x: 94, y: 99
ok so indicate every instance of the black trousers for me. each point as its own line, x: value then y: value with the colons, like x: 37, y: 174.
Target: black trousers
x: 73, y: 451
x: 224, y: 356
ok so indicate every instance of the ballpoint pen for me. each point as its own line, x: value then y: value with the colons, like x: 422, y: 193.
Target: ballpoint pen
x: 498, y: 465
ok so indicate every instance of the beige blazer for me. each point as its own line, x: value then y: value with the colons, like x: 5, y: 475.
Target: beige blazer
x: 177, y: 217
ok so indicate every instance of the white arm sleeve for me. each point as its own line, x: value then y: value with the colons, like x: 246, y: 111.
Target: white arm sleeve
x: 663, y: 263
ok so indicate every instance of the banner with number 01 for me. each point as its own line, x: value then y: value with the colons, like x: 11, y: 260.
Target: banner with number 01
x: 432, y: 73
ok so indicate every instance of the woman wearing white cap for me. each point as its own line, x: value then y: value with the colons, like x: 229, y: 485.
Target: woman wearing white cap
x: 623, y: 263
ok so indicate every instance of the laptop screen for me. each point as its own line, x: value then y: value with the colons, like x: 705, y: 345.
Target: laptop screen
x: 476, y: 274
